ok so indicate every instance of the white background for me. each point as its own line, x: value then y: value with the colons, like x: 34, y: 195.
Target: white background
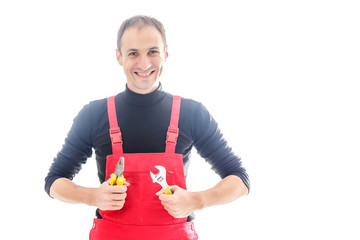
x: 280, y: 77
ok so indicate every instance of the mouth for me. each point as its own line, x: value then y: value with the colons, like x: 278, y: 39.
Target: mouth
x: 144, y: 74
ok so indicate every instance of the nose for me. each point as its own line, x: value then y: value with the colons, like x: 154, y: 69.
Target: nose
x: 144, y: 62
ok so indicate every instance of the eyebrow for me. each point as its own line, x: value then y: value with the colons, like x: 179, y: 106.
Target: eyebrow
x: 154, y: 48
x: 131, y: 50
x: 136, y: 50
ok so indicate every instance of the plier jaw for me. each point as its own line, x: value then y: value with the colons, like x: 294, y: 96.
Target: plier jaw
x: 117, y: 178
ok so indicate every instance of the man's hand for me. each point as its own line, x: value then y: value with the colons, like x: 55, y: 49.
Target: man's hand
x: 108, y: 197
x: 181, y: 203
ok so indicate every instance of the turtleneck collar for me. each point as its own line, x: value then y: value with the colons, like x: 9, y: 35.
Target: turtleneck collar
x: 143, y: 100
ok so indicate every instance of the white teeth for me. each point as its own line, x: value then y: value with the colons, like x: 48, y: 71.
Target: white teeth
x: 144, y: 74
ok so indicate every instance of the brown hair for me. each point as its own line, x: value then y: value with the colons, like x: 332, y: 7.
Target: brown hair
x: 140, y: 21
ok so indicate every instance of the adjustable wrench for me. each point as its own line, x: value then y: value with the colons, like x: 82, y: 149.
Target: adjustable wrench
x: 160, y: 178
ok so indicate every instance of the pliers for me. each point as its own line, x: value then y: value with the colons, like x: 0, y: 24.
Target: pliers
x: 160, y: 178
x: 117, y: 178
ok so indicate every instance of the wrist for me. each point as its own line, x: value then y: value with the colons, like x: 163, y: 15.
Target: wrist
x: 89, y: 196
x: 200, y: 200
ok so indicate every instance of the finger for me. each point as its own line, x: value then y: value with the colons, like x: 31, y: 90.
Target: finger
x: 170, y: 211
x: 159, y: 192
x: 119, y: 197
x: 121, y: 189
x: 166, y: 198
x: 117, y: 189
x: 118, y: 203
x: 126, y: 183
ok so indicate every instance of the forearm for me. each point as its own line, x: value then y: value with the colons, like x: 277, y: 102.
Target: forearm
x: 65, y: 190
x: 227, y: 190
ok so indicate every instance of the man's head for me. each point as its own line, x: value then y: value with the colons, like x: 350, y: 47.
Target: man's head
x: 142, y: 51
x: 140, y: 21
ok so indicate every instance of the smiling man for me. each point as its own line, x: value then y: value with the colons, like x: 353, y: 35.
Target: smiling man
x: 151, y: 130
x: 142, y: 52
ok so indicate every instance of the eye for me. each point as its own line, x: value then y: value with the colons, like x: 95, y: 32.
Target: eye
x: 153, y: 52
x: 132, y: 53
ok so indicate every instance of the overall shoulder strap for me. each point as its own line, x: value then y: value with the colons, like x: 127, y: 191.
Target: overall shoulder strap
x: 115, y: 134
x: 173, y: 130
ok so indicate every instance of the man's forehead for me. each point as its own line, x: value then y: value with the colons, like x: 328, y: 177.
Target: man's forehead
x: 141, y: 38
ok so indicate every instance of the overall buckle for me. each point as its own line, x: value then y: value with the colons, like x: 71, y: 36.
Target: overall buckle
x: 172, y: 135
x: 115, y: 135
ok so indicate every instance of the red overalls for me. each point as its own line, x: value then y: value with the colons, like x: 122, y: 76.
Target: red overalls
x: 143, y: 216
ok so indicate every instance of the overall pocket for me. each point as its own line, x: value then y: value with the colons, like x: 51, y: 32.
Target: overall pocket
x: 141, y: 201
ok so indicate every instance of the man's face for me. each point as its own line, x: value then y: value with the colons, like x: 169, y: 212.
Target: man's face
x: 143, y: 55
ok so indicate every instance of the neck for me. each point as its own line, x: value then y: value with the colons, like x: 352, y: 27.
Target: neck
x: 143, y: 100
x: 143, y: 90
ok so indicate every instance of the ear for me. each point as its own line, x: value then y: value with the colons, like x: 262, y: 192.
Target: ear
x: 118, y: 57
x: 166, y: 52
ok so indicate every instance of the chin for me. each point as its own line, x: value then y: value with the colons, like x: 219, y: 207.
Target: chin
x: 144, y: 87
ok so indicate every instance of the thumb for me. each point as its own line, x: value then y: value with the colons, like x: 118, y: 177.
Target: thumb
x: 174, y: 188
x: 107, y: 181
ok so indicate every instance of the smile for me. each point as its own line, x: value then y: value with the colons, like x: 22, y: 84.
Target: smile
x: 144, y: 74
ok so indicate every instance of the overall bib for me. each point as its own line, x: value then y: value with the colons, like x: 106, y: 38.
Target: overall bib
x: 143, y: 216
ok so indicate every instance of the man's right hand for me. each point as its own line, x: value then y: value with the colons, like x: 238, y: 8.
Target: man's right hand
x: 108, y: 197
x: 105, y: 197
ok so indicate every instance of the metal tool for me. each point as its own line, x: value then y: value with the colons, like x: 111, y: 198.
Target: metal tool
x: 117, y: 178
x: 160, y: 178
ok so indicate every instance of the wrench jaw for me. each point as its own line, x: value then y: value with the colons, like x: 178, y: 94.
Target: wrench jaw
x: 153, y: 177
x: 160, y: 177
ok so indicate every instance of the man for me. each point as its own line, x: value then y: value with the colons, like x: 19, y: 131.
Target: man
x: 139, y: 119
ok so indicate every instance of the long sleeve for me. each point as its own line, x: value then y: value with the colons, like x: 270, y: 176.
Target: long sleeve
x: 212, y: 146
x: 75, y: 151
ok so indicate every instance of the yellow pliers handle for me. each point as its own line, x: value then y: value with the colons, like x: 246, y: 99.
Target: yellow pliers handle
x: 116, y: 180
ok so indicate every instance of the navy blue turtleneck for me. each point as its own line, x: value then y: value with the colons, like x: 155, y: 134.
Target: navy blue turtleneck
x: 143, y: 120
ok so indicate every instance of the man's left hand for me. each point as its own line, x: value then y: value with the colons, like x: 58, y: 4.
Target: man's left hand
x: 181, y: 203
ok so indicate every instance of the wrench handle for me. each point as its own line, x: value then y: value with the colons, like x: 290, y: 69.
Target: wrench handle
x: 168, y: 191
